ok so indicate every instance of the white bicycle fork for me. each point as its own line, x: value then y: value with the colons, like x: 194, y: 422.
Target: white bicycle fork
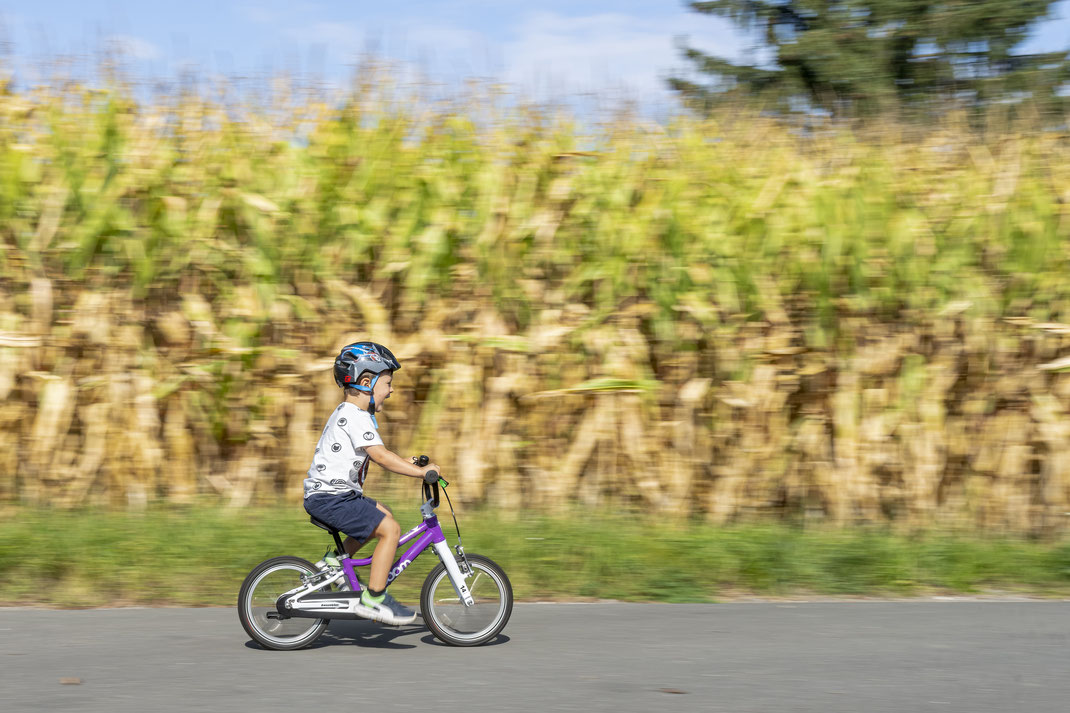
x: 454, y: 572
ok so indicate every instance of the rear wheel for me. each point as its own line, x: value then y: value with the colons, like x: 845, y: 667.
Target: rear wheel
x: 456, y: 624
x: 257, y: 610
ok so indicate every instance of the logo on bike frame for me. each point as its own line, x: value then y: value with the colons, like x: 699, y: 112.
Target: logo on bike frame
x: 398, y: 570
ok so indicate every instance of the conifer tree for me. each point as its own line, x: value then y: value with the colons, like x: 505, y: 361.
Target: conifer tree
x: 863, y: 56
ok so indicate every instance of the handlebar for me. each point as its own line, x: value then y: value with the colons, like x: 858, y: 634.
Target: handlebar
x: 431, y: 493
x: 430, y: 481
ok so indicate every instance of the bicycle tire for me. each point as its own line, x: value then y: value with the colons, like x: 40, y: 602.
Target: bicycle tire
x: 253, y: 624
x: 444, y: 626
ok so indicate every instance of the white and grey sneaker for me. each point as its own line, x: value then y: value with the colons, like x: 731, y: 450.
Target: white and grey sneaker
x: 389, y: 611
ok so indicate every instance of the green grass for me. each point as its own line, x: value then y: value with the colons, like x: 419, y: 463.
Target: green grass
x: 199, y: 556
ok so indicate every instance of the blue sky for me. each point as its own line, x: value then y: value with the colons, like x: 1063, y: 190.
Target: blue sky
x: 544, y: 47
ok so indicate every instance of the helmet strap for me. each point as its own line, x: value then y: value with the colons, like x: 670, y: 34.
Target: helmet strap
x: 371, y: 402
x: 370, y: 390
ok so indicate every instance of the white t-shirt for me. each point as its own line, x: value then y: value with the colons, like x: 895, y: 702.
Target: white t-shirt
x: 340, y: 463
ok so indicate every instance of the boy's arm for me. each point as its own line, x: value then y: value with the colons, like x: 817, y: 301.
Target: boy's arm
x: 388, y: 459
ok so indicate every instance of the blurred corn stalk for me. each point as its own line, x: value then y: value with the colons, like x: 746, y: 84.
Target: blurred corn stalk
x: 724, y: 319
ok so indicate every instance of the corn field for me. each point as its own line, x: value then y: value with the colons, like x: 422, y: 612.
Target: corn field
x: 725, y: 319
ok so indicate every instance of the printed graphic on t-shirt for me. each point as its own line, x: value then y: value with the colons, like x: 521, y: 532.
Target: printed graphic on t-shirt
x: 340, y: 461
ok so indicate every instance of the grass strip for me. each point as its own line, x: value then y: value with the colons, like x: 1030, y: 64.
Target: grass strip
x: 199, y: 556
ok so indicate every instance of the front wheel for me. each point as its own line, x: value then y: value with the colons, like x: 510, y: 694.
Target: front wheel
x: 256, y: 605
x: 450, y: 620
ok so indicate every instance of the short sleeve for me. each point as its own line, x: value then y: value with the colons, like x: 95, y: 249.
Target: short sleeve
x: 361, y: 429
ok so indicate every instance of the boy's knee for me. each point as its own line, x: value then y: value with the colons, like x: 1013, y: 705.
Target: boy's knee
x: 389, y: 527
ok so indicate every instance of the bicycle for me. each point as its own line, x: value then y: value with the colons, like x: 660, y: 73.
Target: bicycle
x: 286, y: 603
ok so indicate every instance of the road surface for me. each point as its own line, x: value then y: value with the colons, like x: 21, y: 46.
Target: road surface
x: 863, y: 656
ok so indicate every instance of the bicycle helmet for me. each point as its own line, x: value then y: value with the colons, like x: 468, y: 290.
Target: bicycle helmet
x: 358, y: 358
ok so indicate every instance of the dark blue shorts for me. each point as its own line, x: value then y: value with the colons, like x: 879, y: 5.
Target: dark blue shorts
x: 353, y: 514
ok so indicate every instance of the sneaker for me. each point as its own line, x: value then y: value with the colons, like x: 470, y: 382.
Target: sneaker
x: 389, y: 611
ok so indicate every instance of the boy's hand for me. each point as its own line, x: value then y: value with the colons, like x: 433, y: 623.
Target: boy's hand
x: 425, y: 468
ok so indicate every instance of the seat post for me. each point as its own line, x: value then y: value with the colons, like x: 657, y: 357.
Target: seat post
x: 341, y: 551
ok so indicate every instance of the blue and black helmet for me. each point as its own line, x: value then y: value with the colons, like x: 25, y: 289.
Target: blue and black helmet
x: 360, y: 357
x: 355, y: 360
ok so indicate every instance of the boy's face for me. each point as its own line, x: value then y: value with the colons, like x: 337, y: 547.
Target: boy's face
x: 384, y: 387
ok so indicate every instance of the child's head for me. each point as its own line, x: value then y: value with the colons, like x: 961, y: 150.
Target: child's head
x: 384, y: 387
x: 366, y: 368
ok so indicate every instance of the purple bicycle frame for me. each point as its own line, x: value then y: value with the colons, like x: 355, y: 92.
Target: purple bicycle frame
x: 428, y: 531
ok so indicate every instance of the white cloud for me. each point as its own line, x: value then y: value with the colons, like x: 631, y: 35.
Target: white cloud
x: 135, y: 47
x: 443, y: 38
x: 442, y: 52
x: 545, y: 55
x: 555, y: 53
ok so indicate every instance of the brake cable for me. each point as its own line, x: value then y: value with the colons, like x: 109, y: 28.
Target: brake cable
x: 422, y: 461
x: 452, y: 513
x: 459, y: 548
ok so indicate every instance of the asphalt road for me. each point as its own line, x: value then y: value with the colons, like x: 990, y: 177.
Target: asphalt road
x: 830, y: 656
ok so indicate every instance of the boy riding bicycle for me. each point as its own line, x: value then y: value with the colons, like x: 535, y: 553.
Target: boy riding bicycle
x: 334, y: 488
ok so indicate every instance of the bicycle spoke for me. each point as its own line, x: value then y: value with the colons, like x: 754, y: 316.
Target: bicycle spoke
x: 263, y: 597
x: 473, y: 620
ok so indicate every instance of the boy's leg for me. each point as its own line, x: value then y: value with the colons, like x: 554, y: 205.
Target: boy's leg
x: 388, y: 532
x: 352, y: 544
x: 360, y: 516
x: 385, y: 607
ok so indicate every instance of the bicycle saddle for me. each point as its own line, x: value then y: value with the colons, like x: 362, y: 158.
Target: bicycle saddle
x: 322, y: 525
